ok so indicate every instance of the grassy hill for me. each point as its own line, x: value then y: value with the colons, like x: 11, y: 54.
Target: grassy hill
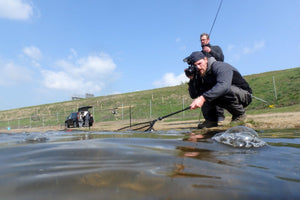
x: 287, y: 84
x: 157, y: 102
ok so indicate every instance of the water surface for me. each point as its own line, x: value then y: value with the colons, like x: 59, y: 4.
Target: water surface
x: 159, y: 165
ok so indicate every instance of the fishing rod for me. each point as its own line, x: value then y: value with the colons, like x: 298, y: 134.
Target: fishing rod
x: 148, y: 126
x: 259, y: 99
x: 271, y: 106
x: 215, y: 17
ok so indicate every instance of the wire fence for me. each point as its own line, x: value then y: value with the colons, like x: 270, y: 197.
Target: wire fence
x: 103, y: 111
x: 129, y: 113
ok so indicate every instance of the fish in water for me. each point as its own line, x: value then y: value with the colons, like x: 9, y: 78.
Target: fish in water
x: 240, y: 137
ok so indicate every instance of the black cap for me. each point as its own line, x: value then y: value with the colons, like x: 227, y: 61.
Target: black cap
x: 196, y: 55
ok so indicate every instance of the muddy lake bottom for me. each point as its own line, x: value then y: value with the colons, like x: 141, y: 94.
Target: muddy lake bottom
x: 157, y: 165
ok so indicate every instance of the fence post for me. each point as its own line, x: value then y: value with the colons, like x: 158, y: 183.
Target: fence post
x: 94, y: 116
x: 122, y: 111
x: 150, y: 109
x: 130, y: 115
x: 274, y: 88
x: 183, y: 107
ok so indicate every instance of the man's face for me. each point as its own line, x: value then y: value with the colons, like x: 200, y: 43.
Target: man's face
x: 202, y: 66
x: 204, y: 40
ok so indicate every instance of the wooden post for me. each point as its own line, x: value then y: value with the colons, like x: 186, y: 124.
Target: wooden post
x: 150, y: 109
x: 274, y: 88
x: 130, y: 116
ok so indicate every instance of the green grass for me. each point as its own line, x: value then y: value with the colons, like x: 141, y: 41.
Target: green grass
x: 161, y: 102
x: 287, y: 84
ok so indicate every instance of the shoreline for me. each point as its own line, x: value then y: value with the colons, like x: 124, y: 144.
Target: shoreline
x: 287, y: 120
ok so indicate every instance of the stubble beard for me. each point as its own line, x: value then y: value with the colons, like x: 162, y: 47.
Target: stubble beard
x: 202, y: 73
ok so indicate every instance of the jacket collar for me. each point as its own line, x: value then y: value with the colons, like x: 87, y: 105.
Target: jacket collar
x: 210, y: 61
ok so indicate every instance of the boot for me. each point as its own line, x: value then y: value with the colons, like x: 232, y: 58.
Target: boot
x: 207, y: 124
x: 238, y: 119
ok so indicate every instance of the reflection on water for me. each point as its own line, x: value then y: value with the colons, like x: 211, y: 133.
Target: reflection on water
x: 131, y: 165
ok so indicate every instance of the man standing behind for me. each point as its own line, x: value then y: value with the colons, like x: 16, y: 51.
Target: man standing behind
x: 209, y: 50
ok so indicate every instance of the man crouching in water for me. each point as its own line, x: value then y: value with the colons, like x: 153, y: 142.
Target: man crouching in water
x: 213, y: 83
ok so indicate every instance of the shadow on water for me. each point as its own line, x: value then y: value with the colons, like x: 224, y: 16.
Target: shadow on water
x: 138, y: 165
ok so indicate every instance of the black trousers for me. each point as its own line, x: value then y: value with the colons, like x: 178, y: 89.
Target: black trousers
x: 234, y: 102
x: 220, y: 113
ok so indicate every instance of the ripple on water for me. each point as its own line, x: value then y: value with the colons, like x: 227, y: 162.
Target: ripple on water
x: 157, y: 165
x: 241, y: 137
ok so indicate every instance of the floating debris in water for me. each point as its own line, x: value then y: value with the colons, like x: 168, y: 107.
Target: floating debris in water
x: 241, y: 137
x: 35, y: 138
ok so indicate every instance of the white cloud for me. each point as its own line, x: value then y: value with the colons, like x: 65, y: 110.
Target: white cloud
x: 235, y: 52
x: 95, y: 66
x: 73, y: 54
x: 32, y: 52
x: 60, y: 80
x: 256, y: 47
x: 15, y: 9
x: 230, y: 47
x: 88, y: 74
x: 169, y: 79
x: 12, y: 74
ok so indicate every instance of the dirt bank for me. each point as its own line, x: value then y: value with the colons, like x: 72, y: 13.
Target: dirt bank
x: 289, y: 120
x: 262, y: 121
x: 258, y: 122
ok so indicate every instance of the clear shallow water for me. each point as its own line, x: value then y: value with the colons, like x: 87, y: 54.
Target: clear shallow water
x: 108, y: 165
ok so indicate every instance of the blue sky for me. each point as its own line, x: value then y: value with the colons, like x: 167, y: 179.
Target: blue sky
x: 52, y: 50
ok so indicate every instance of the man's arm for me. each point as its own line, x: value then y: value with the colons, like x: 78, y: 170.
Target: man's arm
x: 193, y: 88
x: 224, y: 76
x: 217, y: 53
x: 198, y: 102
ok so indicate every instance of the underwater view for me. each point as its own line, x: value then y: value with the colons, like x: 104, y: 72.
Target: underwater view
x: 149, y: 165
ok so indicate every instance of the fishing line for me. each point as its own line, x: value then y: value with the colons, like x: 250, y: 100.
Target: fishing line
x: 215, y: 18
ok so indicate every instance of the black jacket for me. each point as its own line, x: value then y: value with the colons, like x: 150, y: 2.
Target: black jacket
x: 215, y: 52
x: 217, y: 81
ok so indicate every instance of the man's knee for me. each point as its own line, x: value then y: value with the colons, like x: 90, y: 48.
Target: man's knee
x: 243, y: 96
